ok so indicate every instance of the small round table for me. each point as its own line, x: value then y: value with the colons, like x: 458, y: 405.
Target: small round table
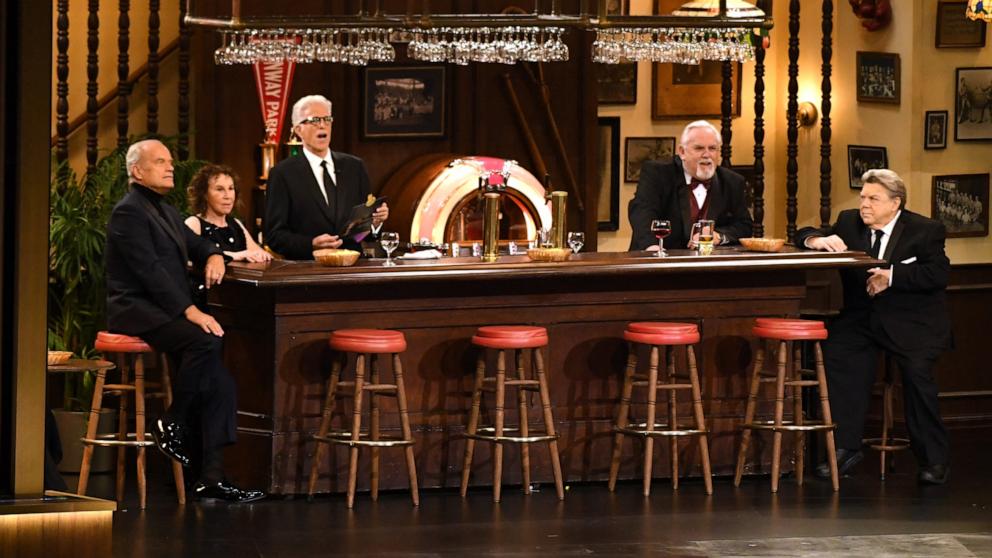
x: 81, y: 365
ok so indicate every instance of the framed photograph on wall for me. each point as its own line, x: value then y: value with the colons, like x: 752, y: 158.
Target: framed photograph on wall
x: 404, y: 102
x: 961, y: 203
x: 973, y: 108
x: 935, y: 130
x: 878, y: 77
x: 616, y: 84
x: 861, y: 158
x: 954, y: 30
x: 638, y: 150
x: 622, y: 7
x: 608, y: 214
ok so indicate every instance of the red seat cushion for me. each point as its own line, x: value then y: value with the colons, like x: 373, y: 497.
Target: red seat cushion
x: 107, y: 342
x: 790, y: 334
x: 511, y: 337
x: 368, y: 341
x: 662, y: 333
x: 787, y: 323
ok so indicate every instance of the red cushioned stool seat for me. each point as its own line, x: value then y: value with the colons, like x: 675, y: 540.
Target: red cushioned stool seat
x: 656, y: 335
x: 107, y: 342
x: 789, y: 379
x: 518, y: 340
x: 368, y: 346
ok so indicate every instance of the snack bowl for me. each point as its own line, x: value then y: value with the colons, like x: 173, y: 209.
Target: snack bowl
x: 549, y: 254
x: 335, y: 257
x: 763, y: 244
x: 58, y: 357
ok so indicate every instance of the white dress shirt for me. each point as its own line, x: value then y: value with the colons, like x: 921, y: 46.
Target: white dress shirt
x: 699, y: 192
x: 318, y: 171
x: 887, y: 234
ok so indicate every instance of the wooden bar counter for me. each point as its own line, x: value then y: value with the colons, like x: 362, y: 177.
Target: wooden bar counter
x: 277, y: 318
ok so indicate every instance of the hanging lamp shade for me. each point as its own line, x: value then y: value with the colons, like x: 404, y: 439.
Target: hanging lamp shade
x: 979, y: 9
x: 711, y: 8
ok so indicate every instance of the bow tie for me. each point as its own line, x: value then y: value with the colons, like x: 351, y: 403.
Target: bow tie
x: 704, y: 183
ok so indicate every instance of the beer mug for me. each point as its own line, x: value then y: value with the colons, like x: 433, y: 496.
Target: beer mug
x: 702, y: 232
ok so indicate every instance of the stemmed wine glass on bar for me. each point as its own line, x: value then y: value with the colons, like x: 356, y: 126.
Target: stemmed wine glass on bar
x: 661, y: 228
x: 389, y: 242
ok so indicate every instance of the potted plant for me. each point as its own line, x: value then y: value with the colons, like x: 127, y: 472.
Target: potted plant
x: 79, y: 209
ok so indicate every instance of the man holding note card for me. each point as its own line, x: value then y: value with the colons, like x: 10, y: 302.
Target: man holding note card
x: 320, y: 198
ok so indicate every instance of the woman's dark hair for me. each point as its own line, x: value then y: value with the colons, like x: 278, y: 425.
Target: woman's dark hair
x: 196, y: 192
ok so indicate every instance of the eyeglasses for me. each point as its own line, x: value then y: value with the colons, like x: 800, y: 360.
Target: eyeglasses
x: 315, y: 120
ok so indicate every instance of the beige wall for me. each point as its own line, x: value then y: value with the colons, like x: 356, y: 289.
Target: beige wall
x: 927, y: 84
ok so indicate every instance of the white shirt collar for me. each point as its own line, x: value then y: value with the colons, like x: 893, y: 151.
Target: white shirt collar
x: 315, y: 160
x: 887, y: 229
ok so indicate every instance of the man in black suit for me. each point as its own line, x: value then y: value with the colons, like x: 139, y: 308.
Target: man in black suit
x: 309, y: 197
x: 900, y: 309
x: 691, y: 187
x: 149, y: 296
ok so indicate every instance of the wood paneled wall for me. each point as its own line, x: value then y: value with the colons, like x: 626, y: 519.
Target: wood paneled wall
x: 480, y: 117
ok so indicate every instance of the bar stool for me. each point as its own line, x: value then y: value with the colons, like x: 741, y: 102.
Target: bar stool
x: 367, y: 345
x: 127, y: 351
x: 669, y: 336
x: 789, y: 373
x: 517, y: 339
x: 887, y: 442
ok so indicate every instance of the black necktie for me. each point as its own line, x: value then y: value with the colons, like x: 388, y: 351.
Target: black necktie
x: 328, y: 188
x: 873, y: 251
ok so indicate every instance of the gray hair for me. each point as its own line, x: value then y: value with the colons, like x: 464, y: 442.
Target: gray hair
x: 889, y: 180
x: 306, y: 101
x: 699, y: 124
x: 134, y: 153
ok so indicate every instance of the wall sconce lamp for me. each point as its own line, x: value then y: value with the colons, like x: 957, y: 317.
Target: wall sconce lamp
x: 807, y: 114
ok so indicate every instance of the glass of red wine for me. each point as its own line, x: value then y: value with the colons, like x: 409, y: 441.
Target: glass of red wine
x: 661, y: 228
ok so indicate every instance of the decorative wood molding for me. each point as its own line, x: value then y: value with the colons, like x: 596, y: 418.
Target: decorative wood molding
x: 758, y: 185
x: 62, y: 88
x: 123, y: 86
x: 726, y: 126
x: 825, y: 131
x: 153, y: 59
x: 92, y: 86
x: 792, y: 150
x: 183, y: 117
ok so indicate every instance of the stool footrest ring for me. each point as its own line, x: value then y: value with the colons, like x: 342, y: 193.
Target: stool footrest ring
x: 789, y: 426
x: 344, y: 438
x: 639, y: 430
x: 504, y: 439
x: 891, y: 444
x: 111, y: 440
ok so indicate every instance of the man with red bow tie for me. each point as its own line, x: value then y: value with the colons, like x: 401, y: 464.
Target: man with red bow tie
x: 691, y: 187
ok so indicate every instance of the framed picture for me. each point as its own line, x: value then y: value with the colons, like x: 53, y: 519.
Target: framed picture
x: 961, y: 203
x: 608, y: 215
x: 638, y: 150
x: 935, y: 130
x: 973, y: 110
x: 622, y: 7
x: 680, y: 91
x: 878, y: 77
x: 861, y: 158
x: 954, y: 30
x: 404, y: 102
x: 616, y: 84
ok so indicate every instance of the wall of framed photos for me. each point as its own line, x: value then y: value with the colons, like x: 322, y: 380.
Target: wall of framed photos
x: 927, y: 80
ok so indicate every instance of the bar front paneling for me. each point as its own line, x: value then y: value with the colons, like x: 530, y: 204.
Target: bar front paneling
x: 277, y: 319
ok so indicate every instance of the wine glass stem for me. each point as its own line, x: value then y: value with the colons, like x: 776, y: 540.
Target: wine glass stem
x: 661, y: 247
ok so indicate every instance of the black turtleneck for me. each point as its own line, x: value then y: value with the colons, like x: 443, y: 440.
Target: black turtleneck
x: 153, y: 197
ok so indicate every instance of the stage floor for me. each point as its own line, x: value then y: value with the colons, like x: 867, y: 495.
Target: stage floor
x: 866, y: 518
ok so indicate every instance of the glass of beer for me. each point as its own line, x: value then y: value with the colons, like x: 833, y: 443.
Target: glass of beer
x: 702, y: 232
x: 661, y: 228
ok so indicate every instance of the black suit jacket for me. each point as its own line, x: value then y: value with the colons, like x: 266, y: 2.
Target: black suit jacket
x: 913, y: 311
x: 146, y: 257
x: 662, y: 194
x: 295, y: 211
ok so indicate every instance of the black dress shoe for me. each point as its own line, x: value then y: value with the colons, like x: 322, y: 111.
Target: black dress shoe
x: 170, y: 437
x: 934, y: 474
x: 226, y: 492
x: 846, y: 460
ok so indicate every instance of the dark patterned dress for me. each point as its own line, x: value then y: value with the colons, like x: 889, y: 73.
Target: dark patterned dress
x: 230, y: 238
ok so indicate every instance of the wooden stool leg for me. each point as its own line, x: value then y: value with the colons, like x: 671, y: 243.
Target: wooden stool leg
x: 356, y: 425
x: 673, y: 418
x: 797, y: 411
x: 122, y: 430
x: 821, y: 378
x: 177, y: 468
x: 697, y: 409
x: 500, y: 401
x: 330, y: 398
x: 139, y: 426
x: 549, y: 422
x: 886, y: 423
x: 374, y: 428
x: 652, y: 399
x: 411, y: 463
x: 783, y: 356
x: 623, y: 413
x: 91, y: 429
x: 522, y: 413
x: 752, y: 403
x: 473, y: 419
